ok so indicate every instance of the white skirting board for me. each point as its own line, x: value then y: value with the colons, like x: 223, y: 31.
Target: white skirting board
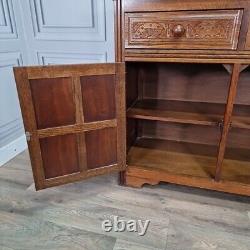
x: 12, y: 149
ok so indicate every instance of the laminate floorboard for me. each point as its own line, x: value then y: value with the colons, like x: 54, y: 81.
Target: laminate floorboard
x: 70, y: 216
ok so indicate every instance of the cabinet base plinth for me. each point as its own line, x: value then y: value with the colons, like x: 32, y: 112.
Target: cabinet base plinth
x: 137, y: 176
x: 136, y: 182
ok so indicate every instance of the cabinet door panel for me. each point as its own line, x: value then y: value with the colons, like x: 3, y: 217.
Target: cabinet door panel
x: 59, y: 155
x: 59, y: 92
x: 98, y: 95
x: 75, y: 116
x: 101, y: 147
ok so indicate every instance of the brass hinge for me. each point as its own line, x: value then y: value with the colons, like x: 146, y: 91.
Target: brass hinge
x: 28, y: 135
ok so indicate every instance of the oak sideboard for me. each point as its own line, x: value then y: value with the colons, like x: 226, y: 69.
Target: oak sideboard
x: 175, y: 107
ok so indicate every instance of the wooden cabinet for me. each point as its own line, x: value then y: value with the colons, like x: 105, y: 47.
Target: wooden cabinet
x: 180, y: 113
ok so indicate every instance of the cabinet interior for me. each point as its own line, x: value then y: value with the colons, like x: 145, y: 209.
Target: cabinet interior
x: 175, y: 116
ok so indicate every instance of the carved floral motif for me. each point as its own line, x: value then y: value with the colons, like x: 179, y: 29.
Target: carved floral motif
x: 216, y: 29
x: 150, y: 30
x: 207, y: 29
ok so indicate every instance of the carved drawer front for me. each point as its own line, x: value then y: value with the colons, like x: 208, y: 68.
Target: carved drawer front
x: 214, y: 29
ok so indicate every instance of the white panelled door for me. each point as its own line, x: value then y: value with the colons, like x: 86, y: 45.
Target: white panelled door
x: 42, y: 32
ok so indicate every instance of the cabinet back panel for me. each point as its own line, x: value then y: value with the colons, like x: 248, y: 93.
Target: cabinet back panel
x: 131, y: 83
x: 243, y: 90
x: 132, y: 132
x: 185, y: 82
x: 239, y: 138
x: 181, y: 132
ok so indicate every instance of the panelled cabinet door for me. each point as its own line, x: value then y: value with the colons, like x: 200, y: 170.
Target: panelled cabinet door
x: 74, y: 116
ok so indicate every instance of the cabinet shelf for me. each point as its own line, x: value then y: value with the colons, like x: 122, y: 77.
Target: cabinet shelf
x: 174, y: 157
x: 197, y: 113
x: 177, y: 111
x: 188, y: 159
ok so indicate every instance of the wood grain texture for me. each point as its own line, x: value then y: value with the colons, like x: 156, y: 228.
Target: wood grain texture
x: 101, y: 147
x: 98, y: 97
x: 60, y: 155
x: 121, y: 125
x: 53, y: 93
x: 28, y: 114
x: 54, y: 71
x: 80, y: 120
x: 76, y: 128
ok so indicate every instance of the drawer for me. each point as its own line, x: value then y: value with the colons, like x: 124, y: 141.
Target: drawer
x: 213, y: 29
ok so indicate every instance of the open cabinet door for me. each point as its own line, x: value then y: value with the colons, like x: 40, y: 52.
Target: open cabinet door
x: 74, y: 117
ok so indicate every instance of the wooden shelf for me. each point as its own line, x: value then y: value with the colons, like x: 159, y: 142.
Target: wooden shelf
x: 188, y: 159
x: 177, y: 111
x: 178, y: 158
x: 197, y: 113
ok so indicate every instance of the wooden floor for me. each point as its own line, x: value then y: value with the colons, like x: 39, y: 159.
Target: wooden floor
x: 70, y: 217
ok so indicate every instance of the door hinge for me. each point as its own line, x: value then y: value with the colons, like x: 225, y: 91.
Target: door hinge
x: 28, y: 135
x: 221, y: 125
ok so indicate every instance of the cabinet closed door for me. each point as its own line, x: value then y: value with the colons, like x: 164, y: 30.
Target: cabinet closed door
x: 74, y: 117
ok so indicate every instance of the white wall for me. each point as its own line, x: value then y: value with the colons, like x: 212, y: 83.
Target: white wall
x: 42, y: 32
